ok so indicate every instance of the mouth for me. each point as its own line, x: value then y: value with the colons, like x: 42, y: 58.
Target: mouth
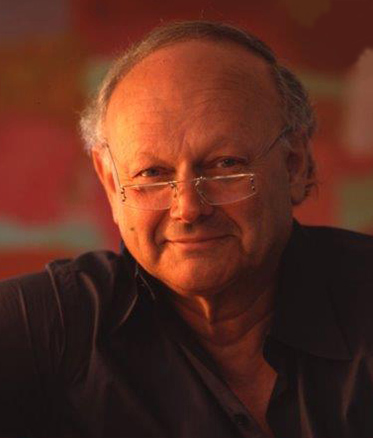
x: 197, y: 242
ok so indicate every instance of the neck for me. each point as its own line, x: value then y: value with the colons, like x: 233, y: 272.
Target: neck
x: 232, y: 327
x: 228, y: 320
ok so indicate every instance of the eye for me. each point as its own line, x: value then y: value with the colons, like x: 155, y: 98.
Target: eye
x: 152, y: 174
x: 149, y: 173
x: 229, y: 162
x: 225, y: 166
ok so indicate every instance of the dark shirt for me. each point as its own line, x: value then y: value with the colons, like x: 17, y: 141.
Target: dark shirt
x: 87, y: 349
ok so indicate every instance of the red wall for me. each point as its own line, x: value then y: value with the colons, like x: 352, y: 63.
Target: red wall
x: 53, y: 54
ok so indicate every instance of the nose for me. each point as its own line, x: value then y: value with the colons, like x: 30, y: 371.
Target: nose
x: 187, y: 205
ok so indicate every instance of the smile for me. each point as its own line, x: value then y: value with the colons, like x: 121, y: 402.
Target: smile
x: 197, y: 243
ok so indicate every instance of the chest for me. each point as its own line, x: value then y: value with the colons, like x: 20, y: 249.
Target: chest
x: 254, y: 390
x: 144, y: 386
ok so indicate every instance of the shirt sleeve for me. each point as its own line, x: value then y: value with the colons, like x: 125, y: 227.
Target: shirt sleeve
x: 31, y: 345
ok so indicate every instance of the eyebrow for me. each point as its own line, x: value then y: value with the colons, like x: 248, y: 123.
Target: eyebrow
x: 217, y: 145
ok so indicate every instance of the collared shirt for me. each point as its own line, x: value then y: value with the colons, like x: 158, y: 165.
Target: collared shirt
x: 87, y: 351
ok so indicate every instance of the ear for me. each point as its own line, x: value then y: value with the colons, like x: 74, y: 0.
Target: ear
x: 297, y: 167
x: 104, y: 170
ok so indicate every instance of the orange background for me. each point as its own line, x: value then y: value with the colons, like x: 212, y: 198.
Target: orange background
x: 53, y: 54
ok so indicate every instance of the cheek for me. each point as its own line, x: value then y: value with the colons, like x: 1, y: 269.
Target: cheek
x: 269, y: 214
x: 138, y: 230
x: 275, y: 187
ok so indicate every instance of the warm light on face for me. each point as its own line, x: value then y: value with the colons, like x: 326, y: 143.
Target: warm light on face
x: 202, y: 208
x: 213, y: 190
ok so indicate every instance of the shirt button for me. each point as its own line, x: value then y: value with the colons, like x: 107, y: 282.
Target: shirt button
x: 241, y: 420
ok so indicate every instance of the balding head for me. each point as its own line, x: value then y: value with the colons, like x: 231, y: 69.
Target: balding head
x: 295, y: 106
x: 189, y: 75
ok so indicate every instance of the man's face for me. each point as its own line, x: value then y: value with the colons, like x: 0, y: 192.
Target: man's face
x: 188, y: 110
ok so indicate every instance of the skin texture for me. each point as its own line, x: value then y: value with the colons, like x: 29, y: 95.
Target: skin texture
x: 181, y: 109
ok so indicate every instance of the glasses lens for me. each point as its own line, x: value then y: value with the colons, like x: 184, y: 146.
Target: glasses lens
x: 229, y: 189
x: 158, y: 197
x: 214, y: 191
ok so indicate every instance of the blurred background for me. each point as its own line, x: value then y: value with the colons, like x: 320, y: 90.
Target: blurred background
x: 53, y: 54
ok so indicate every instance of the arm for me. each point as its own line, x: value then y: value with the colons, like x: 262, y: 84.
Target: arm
x: 31, y: 339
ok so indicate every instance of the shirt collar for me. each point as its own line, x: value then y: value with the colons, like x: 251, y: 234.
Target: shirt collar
x: 304, y: 316
x: 126, y: 291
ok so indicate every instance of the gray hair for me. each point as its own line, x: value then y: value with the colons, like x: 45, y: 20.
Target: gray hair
x: 297, y: 110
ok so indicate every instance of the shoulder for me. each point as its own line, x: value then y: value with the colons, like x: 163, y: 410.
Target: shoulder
x: 336, y: 252
x: 63, y: 307
x: 344, y: 260
x: 21, y: 298
x: 94, y: 272
x: 345, y: 257
x: 48, y: 324
x: 338, y: 238
x: 346, y: 254
x: 96, y: 286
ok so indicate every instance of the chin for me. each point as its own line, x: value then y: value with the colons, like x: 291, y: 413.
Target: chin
x: 195, y: 279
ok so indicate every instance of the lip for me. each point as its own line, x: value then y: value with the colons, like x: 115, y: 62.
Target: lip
x: 196, y: 242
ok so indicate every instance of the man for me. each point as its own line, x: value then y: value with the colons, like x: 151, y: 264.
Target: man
x: 222, y: 317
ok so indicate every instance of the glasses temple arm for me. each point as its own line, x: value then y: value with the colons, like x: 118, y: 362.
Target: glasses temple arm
x: 113, y: 163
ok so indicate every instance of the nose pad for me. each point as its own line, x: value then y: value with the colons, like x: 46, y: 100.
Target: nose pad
x: 188, y: 204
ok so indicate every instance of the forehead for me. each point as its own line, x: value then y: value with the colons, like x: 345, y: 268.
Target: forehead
x: 189, y: 84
